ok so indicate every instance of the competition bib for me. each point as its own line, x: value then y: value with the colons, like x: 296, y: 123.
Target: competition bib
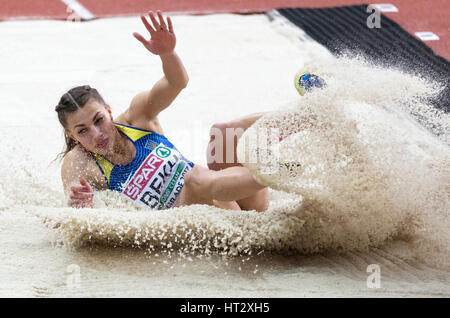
x: 159, y: 180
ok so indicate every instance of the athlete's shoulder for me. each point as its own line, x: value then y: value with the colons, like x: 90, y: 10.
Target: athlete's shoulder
x: 140, y: 123
x: 78, y: 163
x: 77, y: 157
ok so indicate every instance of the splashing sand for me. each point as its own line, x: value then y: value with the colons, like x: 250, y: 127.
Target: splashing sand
x: 367, y: 172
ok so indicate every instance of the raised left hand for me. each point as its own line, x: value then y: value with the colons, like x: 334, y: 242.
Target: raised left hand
x: 162, y: 38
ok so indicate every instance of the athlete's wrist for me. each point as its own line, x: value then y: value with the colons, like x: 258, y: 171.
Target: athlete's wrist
x: 167, y: 55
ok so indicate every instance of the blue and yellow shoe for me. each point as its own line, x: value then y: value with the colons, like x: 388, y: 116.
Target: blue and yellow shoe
x: 306, y: 82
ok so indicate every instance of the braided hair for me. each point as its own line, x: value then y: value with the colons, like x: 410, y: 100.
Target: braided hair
x: 70, y: 102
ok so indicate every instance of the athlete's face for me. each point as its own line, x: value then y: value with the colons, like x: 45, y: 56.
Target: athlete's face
x: 93, y: 127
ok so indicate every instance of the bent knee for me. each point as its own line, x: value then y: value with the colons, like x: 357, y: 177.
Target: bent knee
x: 258, y: 202
x: 192, y: 176
x: 197, y: 181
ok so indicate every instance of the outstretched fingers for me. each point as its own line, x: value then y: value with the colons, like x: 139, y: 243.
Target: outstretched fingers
x: 139, y: 37
x: 154, y: 22
x: 147, y: 25
x: 161, y: 20
x: 169, y: 21
x: 155, y: 26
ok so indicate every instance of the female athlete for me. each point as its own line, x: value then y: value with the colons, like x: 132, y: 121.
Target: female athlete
x: 130, y: 153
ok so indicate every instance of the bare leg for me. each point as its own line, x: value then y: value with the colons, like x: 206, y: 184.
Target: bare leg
x: 258, y: 201
x: 204, y: 186
x: 227, y: 205
x: 238, y: 126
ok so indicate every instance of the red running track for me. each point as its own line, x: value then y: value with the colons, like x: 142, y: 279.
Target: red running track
x: 413, y: 15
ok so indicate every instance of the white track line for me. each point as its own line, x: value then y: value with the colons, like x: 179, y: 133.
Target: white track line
x: 79, y: 9
x: 385, y: 7
x: 427, y: 36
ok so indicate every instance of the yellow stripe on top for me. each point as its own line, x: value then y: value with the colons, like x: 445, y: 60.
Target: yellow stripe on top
x: 133, y: 134
x: 105, y: 165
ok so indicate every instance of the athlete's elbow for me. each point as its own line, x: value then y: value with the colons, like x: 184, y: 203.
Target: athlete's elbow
x: 181, y: 83
x: 180, y: 86
x: 185, y: 81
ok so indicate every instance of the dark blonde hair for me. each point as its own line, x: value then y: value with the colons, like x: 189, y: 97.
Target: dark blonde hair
x: 70, y: 102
